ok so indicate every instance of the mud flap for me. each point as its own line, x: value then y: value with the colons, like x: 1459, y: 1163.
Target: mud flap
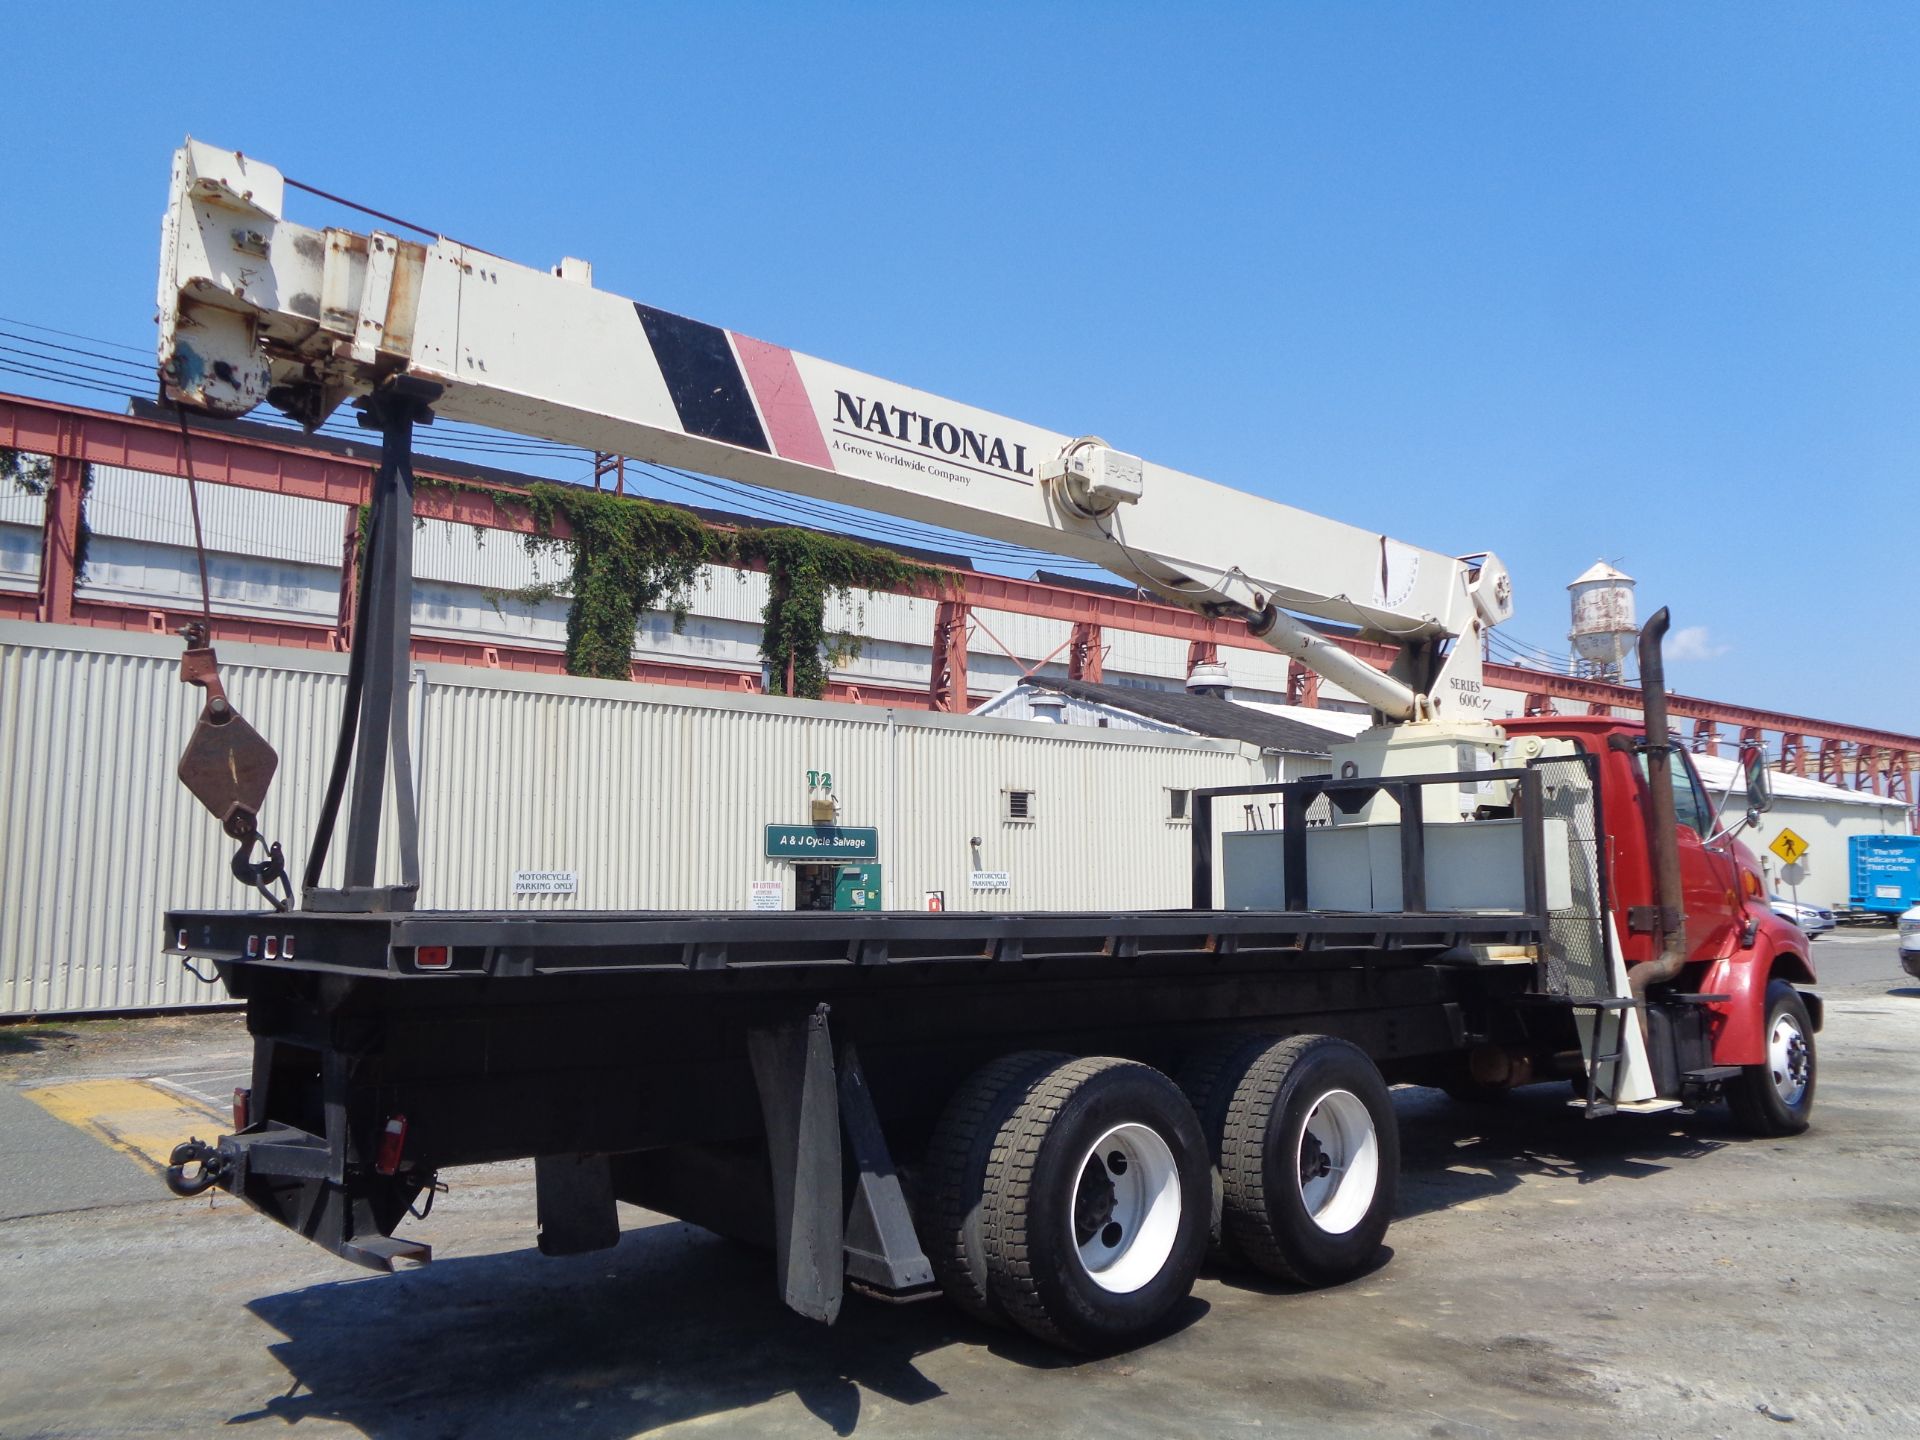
x: 793, y: 1069
x: 574, y: 1199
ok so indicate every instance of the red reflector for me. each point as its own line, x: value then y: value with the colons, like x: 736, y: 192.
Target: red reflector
x: 433, y: 957
x: 393, y: 1140
x: 242, y: 1102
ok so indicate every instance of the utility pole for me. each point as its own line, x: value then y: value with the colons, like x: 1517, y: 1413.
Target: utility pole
x: 604, y: 464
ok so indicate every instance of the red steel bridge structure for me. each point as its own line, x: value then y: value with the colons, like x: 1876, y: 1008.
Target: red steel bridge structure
x: 74, y: 437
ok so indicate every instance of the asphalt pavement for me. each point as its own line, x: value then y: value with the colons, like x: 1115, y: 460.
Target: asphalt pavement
x: 1662, y: 1276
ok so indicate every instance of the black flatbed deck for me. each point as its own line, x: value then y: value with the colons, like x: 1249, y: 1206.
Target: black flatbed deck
x: 514, y: 943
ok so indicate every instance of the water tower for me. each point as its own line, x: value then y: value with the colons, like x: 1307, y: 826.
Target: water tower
x: 1604, y: 628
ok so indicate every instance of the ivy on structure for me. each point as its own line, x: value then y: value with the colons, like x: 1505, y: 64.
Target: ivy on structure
x: 82, y: 532
x: 627, y: 557
x: 29, y: 473
x: 806, y: 569
x: 33, y: 475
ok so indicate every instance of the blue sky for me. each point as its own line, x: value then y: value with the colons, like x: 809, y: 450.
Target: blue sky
x: 1564, y: 281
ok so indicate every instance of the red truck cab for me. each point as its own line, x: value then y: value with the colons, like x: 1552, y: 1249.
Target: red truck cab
x: 1736, y: 946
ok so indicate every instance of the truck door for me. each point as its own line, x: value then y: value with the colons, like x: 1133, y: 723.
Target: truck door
x: 1709, y: 878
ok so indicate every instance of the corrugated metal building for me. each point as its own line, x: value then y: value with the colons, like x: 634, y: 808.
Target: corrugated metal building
x: 654, y: 797
x: 1822, y: 815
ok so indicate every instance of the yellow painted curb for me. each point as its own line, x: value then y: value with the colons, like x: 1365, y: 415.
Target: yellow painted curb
x: 135, y: 1117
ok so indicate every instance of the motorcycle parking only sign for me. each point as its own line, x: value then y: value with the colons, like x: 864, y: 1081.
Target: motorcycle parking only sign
x: 546, y: 882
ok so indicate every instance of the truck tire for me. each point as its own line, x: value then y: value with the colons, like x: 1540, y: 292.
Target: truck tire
x: 1775, y: 1097
x: 1208, y: 1077
x: 1096, y: 1205
x: 952, y: 1178
x: 1310, y: 1161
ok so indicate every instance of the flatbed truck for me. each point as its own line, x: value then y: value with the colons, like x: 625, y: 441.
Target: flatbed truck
x: 1050, y: 1118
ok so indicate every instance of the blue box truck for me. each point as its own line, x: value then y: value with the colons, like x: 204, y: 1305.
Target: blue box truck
x: 1883, y: 874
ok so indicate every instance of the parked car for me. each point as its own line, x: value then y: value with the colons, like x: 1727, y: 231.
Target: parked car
x: 1816, y: 920
x: 1910, y: 941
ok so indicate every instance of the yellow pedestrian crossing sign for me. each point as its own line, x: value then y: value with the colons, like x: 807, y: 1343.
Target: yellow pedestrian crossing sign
x: 1788, y: 846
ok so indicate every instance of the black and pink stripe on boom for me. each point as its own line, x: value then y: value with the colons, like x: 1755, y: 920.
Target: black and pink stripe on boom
x: 703, y: 379
x: 714, y: 380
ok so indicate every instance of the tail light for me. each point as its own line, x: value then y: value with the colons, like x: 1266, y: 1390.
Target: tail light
x: 433, y: 957
x: 393, y: 1140
x: 242, y: 1104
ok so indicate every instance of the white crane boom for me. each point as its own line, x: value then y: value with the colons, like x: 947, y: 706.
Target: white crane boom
x: 254, y: 308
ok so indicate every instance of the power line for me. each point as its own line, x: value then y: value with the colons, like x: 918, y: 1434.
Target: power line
x: 28, y: 324
x: 62, y: 379
x: 51, y: 361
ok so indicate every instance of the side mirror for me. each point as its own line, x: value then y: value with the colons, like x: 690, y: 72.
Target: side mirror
x: 1759, y: 779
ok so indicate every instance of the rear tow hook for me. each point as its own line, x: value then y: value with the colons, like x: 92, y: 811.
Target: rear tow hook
x: 209, y: 1167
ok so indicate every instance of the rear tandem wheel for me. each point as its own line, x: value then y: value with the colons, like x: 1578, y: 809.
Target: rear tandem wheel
x: 1080, y: 1209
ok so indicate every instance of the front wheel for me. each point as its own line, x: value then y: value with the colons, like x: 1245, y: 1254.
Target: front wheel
x: 1775, y: 1097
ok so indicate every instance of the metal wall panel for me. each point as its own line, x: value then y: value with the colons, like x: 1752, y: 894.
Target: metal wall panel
x: 17, y: 507
x: 1027, y: 637
x: 140, y: 573
x: 140, y: 505
x: 96, y: 834
x: 488, y: 559
x: 657, y: 797
x: 466, y: 612
x: 22, y: 523
x: 905, y: 619
x: 1139, y: 654
x: 1100, y: 837
x: 19, y: 557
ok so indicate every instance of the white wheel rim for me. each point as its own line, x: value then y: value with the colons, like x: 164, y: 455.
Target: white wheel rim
x: 1338, y: 1162
x: 1789, y: 1062
x: 1126, y: 1208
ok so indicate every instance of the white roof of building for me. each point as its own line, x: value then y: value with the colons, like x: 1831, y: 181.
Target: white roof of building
x: 1343, y: 721
x: 1719, y: 771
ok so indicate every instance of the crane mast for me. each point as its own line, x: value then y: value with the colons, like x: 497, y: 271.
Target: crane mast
x: 255, y: 309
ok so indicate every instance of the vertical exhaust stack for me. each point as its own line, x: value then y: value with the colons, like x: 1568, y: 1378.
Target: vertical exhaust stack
x: 1661, y: 844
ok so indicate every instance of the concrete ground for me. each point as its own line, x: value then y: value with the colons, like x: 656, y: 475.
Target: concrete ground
x: 1651, y: 1275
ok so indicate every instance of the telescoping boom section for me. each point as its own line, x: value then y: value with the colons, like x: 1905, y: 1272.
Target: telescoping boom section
x: 255, y: 309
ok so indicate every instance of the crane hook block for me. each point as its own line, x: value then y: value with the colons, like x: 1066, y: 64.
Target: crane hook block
x: 228, y: 765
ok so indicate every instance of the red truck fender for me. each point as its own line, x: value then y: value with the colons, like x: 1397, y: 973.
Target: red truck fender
x: 1740, y: 1021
